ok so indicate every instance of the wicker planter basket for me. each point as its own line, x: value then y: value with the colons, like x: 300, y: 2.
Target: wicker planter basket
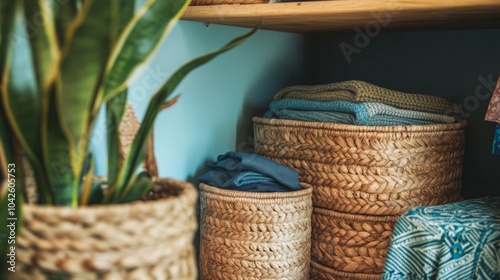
x: 148, y: 239
x: 249, y: 235
x: 351, y: 242
x: 375, y: 170
x: 139, y: 240
x: 221, y: 2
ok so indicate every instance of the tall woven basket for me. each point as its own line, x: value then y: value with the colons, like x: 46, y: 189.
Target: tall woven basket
x: 147, y: 239
x: 251, y: 236
x: 363, y: 178
x: 221, y: 2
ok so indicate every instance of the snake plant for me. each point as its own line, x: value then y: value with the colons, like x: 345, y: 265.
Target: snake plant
x: 61, y: 62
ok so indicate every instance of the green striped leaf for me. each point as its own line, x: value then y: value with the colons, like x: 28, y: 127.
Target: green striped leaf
x: 63, y: 181
x: 138, y: 42
x: 10, y: 215
x: 115, y: 109
x: 64, y: 14
x: 138, y: 189
x: 137, y: 149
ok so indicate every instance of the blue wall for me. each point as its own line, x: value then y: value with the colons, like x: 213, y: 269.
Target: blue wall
x: 218, y: 100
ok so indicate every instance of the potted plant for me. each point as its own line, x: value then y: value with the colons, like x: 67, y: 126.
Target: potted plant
x: 61, y: 62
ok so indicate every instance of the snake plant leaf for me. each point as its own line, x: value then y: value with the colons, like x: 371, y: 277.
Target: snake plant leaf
x: 87, y: 181
x: 124, y: 12
x: 20, y: 96
x: 11, y: 216
x: 81, y: 68
x: 21, y: 101
x: 43, y: 39
x: 63, y: 181
x: 137, y: 149
x: 6, y: 27
x: 138, y: 189
x: 96, y: 194
x: 6, y: 154
x: 64, y: 14
x: 138, y: 42
x: 115, y: 108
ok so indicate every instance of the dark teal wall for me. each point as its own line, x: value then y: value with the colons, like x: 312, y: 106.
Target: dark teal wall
x: 453, y: 64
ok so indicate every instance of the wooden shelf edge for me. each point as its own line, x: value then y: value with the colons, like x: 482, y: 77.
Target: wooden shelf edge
x: 344, y: 15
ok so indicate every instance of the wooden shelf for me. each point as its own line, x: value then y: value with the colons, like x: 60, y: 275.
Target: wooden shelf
x: 344, y: 15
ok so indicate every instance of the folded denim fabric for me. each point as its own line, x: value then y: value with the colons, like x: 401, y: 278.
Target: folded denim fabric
x: 344, y: 118
x: 363, y: 112
x: 493, y: 112
x: 241, y: 171
x: 496, y: 141
x: 359, y: 91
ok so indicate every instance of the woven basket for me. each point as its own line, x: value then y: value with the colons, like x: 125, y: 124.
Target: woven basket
x: 248, y: 235
x: 139, y: 240
x: 376, y: 170
x: 351, y: 242
x: 148, y: 239
x: 221, y: 2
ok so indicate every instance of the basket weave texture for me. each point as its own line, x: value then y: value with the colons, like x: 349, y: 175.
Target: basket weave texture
x: 248, y: 235
x: 351, y: 242
x: 139, y: 240
x: 364, y: 178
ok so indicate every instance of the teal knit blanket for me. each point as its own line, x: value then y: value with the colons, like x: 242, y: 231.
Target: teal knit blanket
x: 357, y: 113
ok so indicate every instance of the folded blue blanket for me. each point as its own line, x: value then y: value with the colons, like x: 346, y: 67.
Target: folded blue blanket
x: 250, y: 172
x: 364, y: 113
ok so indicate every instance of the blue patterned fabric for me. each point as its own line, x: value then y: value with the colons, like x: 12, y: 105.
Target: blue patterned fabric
x: 345, y: 118
x: 250, y: 172
x: 458, y: 241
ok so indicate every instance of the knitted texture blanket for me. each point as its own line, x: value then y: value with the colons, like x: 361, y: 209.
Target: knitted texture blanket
x: 365, y: 113
x: 359, y: 91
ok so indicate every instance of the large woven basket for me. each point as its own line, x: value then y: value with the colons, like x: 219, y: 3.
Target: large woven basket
x: 221, y: 2
x: 139, y: 240
x: 375, y: 170
x: 321, y: 272
x: 250, y: 236
x: 351, y: 243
